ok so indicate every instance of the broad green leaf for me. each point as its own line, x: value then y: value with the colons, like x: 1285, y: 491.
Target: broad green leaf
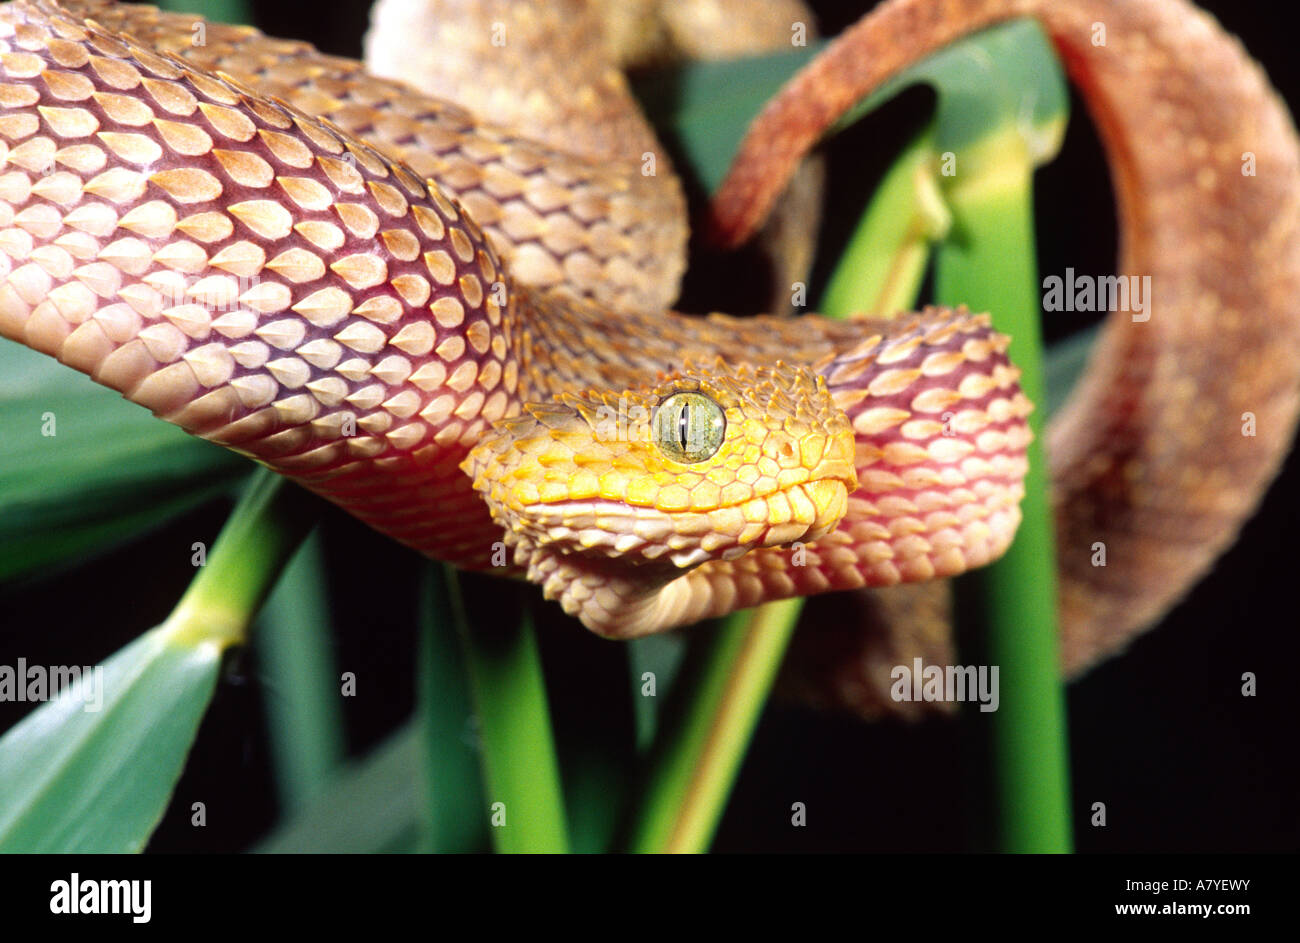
x: 218, y: 11
x: 705, y: 107
x: 83, y: 468
x: 1007, y: 76
x: 300, y: 687
x: 370, y: 806
x: 75, y: 779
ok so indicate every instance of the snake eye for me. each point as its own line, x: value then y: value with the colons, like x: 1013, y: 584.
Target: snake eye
x: 689, y: 427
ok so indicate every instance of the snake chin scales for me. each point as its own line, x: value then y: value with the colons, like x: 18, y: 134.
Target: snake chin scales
x: 602, y: 509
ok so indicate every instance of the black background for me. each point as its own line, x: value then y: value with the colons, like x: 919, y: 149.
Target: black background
x: 1161, y: 734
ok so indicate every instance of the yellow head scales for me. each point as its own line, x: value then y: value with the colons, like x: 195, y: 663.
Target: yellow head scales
x: 704, y: 465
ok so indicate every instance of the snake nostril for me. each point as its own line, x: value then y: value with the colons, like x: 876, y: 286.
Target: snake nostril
x: 787, y: 450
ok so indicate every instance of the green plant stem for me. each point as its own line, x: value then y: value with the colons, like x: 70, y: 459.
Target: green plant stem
x: 881, y: 270
x: 520, y: 768
x: 992, y: 267
x: 262, y: 534
x: 694, y: 771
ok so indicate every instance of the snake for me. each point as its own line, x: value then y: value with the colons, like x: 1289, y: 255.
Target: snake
x: 440, y: 298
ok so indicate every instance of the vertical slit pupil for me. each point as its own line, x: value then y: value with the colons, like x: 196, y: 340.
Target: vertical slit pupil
x: 681, y: 424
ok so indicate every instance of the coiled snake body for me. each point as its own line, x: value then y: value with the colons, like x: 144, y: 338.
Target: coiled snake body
x: 455, y: 328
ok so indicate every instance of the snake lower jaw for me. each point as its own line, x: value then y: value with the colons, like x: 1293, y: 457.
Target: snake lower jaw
x: 624, y: 593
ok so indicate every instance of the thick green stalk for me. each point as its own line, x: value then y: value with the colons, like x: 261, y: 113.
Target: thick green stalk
x: 993, y: 268
x: 881, y: 270
x: 520, y: 768
x: 263, y: 532
x: 692, y: 774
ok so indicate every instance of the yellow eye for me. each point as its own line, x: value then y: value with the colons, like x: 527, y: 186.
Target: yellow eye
x: 689, y: 427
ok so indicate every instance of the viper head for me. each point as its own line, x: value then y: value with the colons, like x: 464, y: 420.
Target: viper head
x: 707, y: 464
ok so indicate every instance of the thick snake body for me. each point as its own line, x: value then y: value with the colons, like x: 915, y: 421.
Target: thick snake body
x: 429, y: 319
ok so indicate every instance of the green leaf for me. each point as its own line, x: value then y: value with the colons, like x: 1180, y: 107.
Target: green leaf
x: 77, y: 780
x: 1005, y: 74
x: 705, y: 107
x: 884, y: 263
x: 300, y: 689
x: 218, y: 11
x: 371, y: 806
x: 696, y: 758
x: 1004, y: 77
x: 1012, y: 603
x: 84, y: 469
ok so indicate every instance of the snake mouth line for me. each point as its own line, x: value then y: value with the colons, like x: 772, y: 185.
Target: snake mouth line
x: 806, y: 511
